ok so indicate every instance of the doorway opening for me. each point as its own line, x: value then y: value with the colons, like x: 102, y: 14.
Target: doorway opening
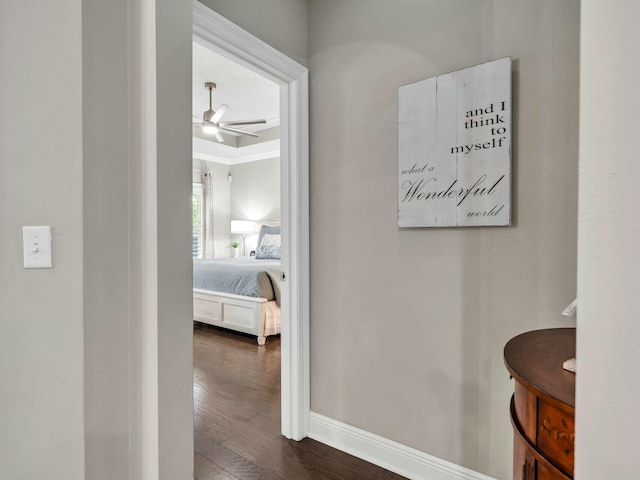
x: 220, y: 36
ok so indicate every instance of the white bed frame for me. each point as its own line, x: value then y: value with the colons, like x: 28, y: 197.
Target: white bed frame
x: 235, y: 312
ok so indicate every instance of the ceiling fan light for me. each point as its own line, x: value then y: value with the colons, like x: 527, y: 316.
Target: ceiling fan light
x: 210, y: 129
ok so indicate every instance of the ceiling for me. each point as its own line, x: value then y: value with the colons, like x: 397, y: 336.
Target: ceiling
x: 248, y: 95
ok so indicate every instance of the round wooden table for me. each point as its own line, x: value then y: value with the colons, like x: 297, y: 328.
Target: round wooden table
x: 543, y: 404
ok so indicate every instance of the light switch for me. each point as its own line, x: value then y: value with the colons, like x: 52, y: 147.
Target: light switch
x: 37, y: 247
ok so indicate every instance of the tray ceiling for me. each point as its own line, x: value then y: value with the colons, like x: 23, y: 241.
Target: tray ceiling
x: 249, y: 96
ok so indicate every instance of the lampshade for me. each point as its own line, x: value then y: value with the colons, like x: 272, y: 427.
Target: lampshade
x: 245, y: 227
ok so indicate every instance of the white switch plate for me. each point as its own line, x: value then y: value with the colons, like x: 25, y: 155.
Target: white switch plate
x: 36, y: 243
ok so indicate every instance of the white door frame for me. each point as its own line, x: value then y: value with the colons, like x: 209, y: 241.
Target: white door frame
x: 220, y: 35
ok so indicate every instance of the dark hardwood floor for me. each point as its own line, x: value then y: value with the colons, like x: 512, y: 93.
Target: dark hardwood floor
x: 237, y: 417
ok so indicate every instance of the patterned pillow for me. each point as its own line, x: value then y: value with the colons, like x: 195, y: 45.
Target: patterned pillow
x: 267, y: 252
x: 270, y: 240
x: 264, y: 229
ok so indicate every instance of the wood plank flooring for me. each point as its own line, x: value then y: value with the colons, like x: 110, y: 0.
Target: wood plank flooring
x: 237, y: 417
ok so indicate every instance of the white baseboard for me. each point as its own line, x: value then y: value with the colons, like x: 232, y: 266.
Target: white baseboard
x: 393, y: 456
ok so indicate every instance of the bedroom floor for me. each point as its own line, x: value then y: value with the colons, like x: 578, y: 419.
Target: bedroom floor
x: 236, y: 392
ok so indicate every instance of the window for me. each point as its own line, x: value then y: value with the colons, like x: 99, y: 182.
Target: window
x: 196, y: 238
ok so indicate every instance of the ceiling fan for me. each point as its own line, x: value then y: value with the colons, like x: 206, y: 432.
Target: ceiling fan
x: 212, y: 125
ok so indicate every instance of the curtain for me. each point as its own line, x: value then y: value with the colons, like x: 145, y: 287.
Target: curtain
x: 208, y: 250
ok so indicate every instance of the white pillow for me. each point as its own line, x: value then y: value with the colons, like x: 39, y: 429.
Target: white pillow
x: 270, y: 240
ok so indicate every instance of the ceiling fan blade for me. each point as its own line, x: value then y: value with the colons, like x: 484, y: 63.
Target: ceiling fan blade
x: 220, y: 138
x: 235, y: 130
x: 195, y: 119
x: 241, y: 122
x: 218, y: 115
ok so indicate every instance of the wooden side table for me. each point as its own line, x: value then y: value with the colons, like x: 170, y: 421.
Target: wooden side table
x: 543, y: 404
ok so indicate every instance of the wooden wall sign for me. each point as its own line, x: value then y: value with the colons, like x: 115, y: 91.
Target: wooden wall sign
x: 454, y: 148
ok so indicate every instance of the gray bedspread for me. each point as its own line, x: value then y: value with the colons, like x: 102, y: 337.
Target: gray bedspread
x: 241, y: 276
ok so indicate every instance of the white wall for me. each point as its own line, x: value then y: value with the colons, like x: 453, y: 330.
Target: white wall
x: 73, y: 138
x: 608, y: 357
x: 173, y: 264
x: 408, y: 325
x: 160, y: 267
x: 41, y: 311
x: 255, y: 190
x: 105, y: 226
x: 255, y: 195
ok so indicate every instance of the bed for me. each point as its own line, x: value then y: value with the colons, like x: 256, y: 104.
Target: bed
x: 241, y: 294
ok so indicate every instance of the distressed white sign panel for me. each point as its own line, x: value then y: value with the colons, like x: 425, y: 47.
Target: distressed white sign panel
x: 454, y: 148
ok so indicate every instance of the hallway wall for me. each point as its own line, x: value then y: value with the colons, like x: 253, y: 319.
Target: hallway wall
x: 41, y: 311
x: 408, y: 325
